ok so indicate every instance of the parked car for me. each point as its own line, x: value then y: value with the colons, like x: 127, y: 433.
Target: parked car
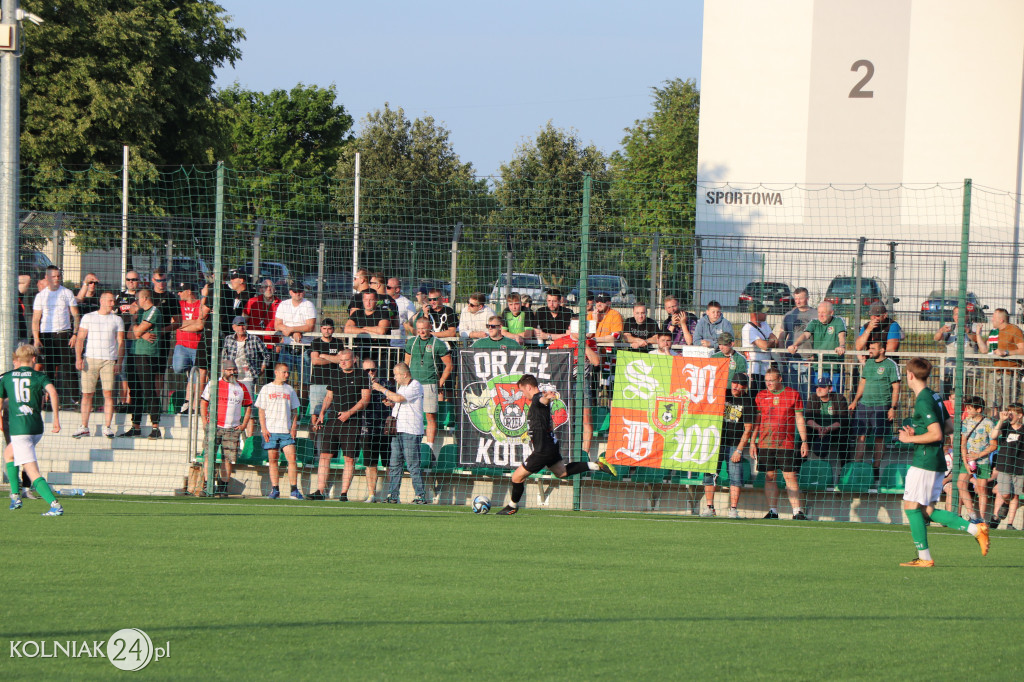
x: 939, y: 307
x: 333, y: 285
x: 776, y: 295
x: 614, y: 285
x: 188, y: 269
x: 841, y: 292
x: 278, y: 273
x: 33, y: 263
x: 524, y: 284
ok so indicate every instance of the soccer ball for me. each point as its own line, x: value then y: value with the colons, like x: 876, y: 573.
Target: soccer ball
x: 481, y: 504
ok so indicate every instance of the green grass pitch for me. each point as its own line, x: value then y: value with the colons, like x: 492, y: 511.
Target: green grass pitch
x: 299, y: 590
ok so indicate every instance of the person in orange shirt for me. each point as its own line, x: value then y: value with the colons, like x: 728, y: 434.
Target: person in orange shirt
x: 608, y: 321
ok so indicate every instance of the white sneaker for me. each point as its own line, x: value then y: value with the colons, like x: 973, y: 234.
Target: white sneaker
x: 28, y: 494
x: 81, y: 431
x: 707, y: 513
x: 184, y: 408
x: 734, y: 513
x: 108, y: 432
x: 371, y: 499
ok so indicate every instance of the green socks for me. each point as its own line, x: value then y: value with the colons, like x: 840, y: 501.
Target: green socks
x: 918, y: 531
x: 43, y: 488
x: 949, y: 519
x: 13, y: 478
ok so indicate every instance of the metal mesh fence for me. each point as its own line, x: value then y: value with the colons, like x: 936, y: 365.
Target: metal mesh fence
x: 646, y: 252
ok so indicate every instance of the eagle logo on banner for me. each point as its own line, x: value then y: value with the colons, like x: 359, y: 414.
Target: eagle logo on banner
x: 669, y: 410
x: 498, y: 408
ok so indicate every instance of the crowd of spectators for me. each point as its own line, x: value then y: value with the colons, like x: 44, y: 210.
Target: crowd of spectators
x: 135, y: 341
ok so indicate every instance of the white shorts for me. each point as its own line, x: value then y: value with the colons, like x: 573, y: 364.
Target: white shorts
x: 24, y: 448
x: 430, y: 398
x: 923, y: 486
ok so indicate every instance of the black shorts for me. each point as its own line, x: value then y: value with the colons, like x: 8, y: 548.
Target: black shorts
x: 769, y: 459
x: 547, y: 457
x: 337, y: 435
x: 376, y: 446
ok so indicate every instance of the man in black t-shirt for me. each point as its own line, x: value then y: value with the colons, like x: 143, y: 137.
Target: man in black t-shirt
x: 737, y: 424
x: 88, y: 296
x: 379, y: 283
x: 444, y: 323
x: 1010, y: 464
x: 232, y: 301
x: 324, y: 355
x: 170, y: 312
x: 370, y: 319
x: 552, y: 323
x: 640, y: 331
x: 543, y: 443
x: 339, y: 425
x: 360, y: 283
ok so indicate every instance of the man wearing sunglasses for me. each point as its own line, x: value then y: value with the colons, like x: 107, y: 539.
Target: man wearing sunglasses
x: 378, y: 282
x: 474, y: 317
x: 496, y: 337
x: 88, y: 296
x: 443, y: 321
x: 123, y: 307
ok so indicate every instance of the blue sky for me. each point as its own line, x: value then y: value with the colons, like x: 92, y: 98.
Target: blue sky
x: 492, y: 73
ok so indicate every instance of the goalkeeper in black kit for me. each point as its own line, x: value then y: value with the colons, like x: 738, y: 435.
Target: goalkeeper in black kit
x: 544, y: 444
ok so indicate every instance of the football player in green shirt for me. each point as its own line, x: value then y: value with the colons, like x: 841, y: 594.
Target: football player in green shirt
x: 924, y: 478
x: 22, y: 390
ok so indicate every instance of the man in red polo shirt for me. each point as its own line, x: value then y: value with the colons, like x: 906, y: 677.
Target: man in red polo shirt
x: 780, y: 408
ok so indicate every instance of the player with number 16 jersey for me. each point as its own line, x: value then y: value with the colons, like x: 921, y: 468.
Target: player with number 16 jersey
x: 23, y: 388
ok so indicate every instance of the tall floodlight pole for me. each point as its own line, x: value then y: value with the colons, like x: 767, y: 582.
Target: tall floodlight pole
x: 10, y: 129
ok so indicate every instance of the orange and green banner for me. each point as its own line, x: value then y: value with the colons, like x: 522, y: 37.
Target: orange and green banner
x: 667, y: 411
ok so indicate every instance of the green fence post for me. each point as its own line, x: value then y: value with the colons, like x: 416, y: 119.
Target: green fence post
x: 958, y: 377
x: 581, y: 347
x: 214, y: 376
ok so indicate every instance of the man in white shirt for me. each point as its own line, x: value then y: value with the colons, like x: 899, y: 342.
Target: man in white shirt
x: 293, y: 318
x: 54, y: 326
x: 473, y: 320
x: 758, y: 334
x: 101, y: 337
x: 278, y: 407
x: 232, y: 398
x: 406, y: 313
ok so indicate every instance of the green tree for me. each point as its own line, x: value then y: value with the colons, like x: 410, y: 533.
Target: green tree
x: 301, y: 131
x: 99, y: 74
x: 282, y: 151
x: 413, y: 189
x: 657, y: 175
x: 540, y: 198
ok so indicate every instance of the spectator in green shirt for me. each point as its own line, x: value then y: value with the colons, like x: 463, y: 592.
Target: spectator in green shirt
x: 874, y: 406
x: 737, y: 363
x: 828, y: 332
x: 424, y: 353
x: 496, y: 336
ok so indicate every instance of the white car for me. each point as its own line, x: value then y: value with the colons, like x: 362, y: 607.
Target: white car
x: 524, y: 284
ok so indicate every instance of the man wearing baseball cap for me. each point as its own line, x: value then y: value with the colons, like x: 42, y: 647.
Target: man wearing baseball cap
x: 880, y: 327
x: 828, y: 419
x: 737, y: 363
x: 737, y: 425
x: 295, y: 317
